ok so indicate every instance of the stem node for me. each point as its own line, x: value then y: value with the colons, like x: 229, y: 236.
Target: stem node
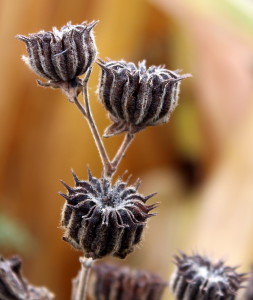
x: 83, y: 277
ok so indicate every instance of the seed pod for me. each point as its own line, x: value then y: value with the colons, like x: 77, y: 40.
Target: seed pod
x: 136, y: 96
x: 249, y: 288
x: 14, y: 287
x: 114, y: 282
x: 104, y: 219
x: 197, y: 278
x: 61, y: 55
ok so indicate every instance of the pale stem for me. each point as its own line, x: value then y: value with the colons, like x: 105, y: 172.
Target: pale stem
x: 88, y: 115
x: 80, y: 107
x: 122, y: 151
x: 86, y: 265
x: 110, y: 167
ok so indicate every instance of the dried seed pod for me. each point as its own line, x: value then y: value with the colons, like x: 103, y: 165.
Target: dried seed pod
x: 104, y: 219
x: 114, y: 282
x: 249, y: 288
x: 61, y: 55
x: 197, y: 278
x: 14, y: 287
x: 136, y: 96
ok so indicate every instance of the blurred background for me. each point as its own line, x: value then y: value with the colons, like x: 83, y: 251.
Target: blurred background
x: 200, y: 163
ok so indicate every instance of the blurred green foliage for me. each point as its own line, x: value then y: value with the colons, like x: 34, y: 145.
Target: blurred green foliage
x: 14, y: 236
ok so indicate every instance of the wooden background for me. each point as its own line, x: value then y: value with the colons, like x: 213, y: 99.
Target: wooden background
x: 201, y: 163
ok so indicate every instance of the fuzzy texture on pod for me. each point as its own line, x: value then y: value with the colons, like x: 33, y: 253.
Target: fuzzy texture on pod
x: 113, y: 282
x: 197, y: 278
x: 14, y: 287
x: 137, y: 96
x: 103, y: 219
x: 61, y: 55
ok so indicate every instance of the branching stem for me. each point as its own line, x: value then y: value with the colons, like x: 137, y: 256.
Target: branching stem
x: 80, y: 107
x: 86, y: 111
x: 109, y: 167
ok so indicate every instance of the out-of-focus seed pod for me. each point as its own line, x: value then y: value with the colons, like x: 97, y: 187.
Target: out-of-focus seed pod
x: 114, y: 282
x: 103, y: 219
x: 197, y: 278
x: 249, y: 288
x: 136, y: 96
x: 14, y: 287
x: 61, y: 55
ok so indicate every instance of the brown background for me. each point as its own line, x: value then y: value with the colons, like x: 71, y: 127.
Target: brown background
x: 201, y: 163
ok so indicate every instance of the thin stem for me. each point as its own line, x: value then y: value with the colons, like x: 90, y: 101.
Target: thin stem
x: 86, y: 111
x: 80, y: 107
x: 110, y: 167
x: 122, y: 151
x: 86, y: 265
x: 100, y: 145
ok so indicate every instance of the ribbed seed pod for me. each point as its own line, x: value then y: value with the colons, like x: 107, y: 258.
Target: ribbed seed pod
x: 249, y: 289
x: 104, y: 219
x: 61, y: 55
x: 197, y: 278
x: 136, y: 96
x: 112, y: 282
x: 14, y: 287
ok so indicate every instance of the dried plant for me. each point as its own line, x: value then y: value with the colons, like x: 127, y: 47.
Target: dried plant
x: 249, y: 289
x: 14, y: 287
x: 61, y: 55
x: 103, y: 217
x: 197, y: 277
x: 114, y: 282
x: 137, y: 97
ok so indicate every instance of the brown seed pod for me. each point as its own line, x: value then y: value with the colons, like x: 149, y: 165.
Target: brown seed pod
x: 104, y: 219
x: 197, y: 278
x: 61, y: 55
x: 249, y: 288
x: 14, y: 287
x: 114, y: 282
x: 136, y: 96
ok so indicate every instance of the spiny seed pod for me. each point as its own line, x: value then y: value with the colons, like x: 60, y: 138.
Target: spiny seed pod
x: 197, y: 278
x: 249, y: 289
x: 61, y: 55
x: 104, y: 219
x: 14, y: 287
x: 113, y: 282
x: 136, y: 96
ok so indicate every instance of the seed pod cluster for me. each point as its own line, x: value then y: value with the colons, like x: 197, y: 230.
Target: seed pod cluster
x: 137, y: 96
x: 113, y: 282
x: 104, y: 219
x: 197, y: 278
x: 14, y: 287
x: 61, y: 55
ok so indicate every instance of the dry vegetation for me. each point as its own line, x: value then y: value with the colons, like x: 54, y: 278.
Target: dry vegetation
x: 201, y: 162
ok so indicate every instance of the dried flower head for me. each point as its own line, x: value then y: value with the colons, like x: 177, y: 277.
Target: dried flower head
x: 113, y: 282
x: 197, y: 278
x: 101, y: 219
x: 61, y: 55
x: 136, y: 96
x: 249, y: 289
x: 14, y: 287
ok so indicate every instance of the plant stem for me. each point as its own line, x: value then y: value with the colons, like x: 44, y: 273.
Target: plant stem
x: 86, y: 265
x: 109, y: 167
x: 122, y: 151
x: 80, y: 107
x: 88, y: 115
